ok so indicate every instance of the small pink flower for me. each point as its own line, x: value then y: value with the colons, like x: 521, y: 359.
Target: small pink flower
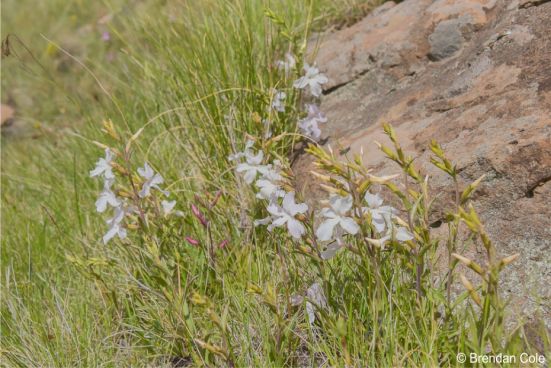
x: 197, y: 213
x: 192, y: 241
x: 216, y: 198
x: 106, y: 36
x: 223, y: 243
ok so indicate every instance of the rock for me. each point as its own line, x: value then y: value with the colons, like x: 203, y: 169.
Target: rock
x: 348, y: 53
x: 6, y: 114
x: 529, y: 3
x: 476, y: 10
x: 446, y: 39
x: 487, y: 101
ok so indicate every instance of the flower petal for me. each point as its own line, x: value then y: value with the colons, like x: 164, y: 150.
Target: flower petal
x: 168, y: 206
x: 110, y: 234
x: 402, y: 234
x: 349, y: 225
x: 296, y: 228
x: 325, y: 230
x: 331, y: 250
x: 300, y: 83
x: 379, y: 224
x: 250, y: 175
x: 315, y: 89
x: 373, y: 200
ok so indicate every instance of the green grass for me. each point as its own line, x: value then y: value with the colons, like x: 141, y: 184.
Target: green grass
x: 51, y: 314
x: 194, y: 76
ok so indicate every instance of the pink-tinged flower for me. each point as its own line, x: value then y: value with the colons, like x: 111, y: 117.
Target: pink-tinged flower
x: 313, y: 79
x: 106, y: 36
x: 192, y: 241
x: 309, y: 125
x: 223, y: 243
x: 197, y: 213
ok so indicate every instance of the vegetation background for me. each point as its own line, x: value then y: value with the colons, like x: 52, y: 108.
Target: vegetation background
x: 195, y: 75
x: 65, y: 78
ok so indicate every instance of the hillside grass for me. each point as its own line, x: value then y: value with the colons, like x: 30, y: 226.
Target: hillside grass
x: 192, y: 78
x: 178, y: 64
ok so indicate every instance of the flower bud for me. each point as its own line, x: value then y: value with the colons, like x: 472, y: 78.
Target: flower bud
x: 198, y: 299
x: 382, y: 179
x: 469, y: 263
x: 305, y: 249
x: 256, y: 117
x: 470, y: 288
x: 466, y: 282
x: 252, y: 288
x: 216, y: 198
x: 324, y: 178
x: 109, y: 128
x: 509, y: 259
x: 124, y: 194
x: 119, y: 168
x: 192, y: 241
x: 197, y: 213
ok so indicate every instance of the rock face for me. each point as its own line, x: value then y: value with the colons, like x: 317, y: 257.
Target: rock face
x: 475, y: 75
x: 6, y: 114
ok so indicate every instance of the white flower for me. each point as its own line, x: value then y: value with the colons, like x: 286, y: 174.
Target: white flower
x: 278, y: 103
x: 398, y: 233
x: 285, y: 215
x: 103, y: 166
x: 288, y: 65
x: 309, y: 125
x: 264, y: 221
x: 310, y: 129
x: 314, y: 112
x: 380, y: 215
x: 107, y: 197
x: 402, y: 234
x: 168, y: 206
x: 252, y: 166
x: 336, y: 215
x: 152, y: 180
x: 246, y: 151
x: 267, y: 131
x: 313, y: 78
x: 332, y: 249
x: 316, y: 300
x: 268, y: 185
x: 267, y: 189
x: 115, y: 227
